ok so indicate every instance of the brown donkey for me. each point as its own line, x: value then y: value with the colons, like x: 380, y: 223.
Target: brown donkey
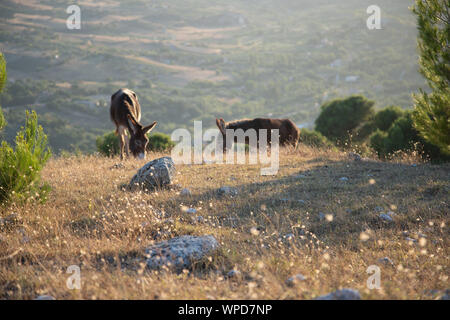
x: 125, y: 112
x: 288, y: 131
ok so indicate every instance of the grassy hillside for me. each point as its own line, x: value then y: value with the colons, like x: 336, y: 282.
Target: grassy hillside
x: 89, y: 221
x: 198, y: 59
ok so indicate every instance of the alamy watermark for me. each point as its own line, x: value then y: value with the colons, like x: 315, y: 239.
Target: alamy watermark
x: 374, y: 20
x: 74, y: 20
x: 374, y: 281
x: 74, y: 281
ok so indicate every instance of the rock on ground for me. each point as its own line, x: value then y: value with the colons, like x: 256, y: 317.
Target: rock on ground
x: 45, y: 297
x: 185, y: 192
x: 354, y: 156
x: 292, y: 281
x: 386, y: 217
x: 227, y: 191
x: 179, y: 253
x: 155, y: 174
x: 343, y: 294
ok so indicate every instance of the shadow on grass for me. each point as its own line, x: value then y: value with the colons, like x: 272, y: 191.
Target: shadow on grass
x: 337, y: 201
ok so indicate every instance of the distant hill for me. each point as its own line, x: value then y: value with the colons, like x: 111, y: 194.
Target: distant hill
x: 200, y: 59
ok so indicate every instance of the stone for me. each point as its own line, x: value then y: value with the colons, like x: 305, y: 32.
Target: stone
x: 386, y: 260
x: 289, y: 236
x: 386, y: 217
x: 343, y: 294
x: 292, y: 281
x: 321, y: 216
x: 343, y: 179
x: 45, y: 297
x: 233, y: 274
x: 179, y: 253
x: 446, y: 295
x: 154, y: 174
x: 185, y: 192
x: 354, y: 156
x: 227, y: 191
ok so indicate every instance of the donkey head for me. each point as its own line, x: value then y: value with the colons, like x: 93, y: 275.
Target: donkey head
x: 138, y: 139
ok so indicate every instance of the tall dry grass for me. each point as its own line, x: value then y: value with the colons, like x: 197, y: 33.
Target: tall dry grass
x: 91, y: 222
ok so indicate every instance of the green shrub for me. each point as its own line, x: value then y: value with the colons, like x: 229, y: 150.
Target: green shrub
x: 2, y: 85
x: 20, y: 167
x: 377, y: 141
x: 108, y: 144
x: 385, y: 118
x: 159, y: 142
x: 314, y: 139
x: 2, y: 120
x: 339, y: 118
x: 402, y: 136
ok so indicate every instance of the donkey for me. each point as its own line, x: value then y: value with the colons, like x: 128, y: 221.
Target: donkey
x: 288, y: 131
x: 125, y: 112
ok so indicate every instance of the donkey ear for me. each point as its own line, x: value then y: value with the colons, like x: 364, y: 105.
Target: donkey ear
x: 149, y: 127
x: 221, y: 125
x: 132, y: 124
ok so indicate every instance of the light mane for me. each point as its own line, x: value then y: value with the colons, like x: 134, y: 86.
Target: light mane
x: 237, y: 122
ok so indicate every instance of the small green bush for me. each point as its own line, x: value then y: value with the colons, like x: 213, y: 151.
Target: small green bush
x: 384, y: 119
x: 339, y: 118
x: 108, y: 144
x: 159, y: 142
x: 402, y: 136
x: 20, y: 167
x: 314, y: 139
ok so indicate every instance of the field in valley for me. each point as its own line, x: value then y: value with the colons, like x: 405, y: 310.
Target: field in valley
x: 198, y: 60
x: 305, y: 220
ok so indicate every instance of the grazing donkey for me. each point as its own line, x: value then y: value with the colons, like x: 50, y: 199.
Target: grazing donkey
x: 288, y: 131
x: 125, y: 112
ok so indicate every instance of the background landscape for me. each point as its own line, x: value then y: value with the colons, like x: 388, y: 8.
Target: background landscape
x: 197, y: 60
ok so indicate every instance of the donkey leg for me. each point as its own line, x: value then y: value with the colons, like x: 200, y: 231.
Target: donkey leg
x: 121, y: 141
x: 127, y: 145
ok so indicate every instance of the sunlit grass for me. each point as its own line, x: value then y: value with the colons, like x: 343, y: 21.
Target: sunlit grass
x: 271, y: 230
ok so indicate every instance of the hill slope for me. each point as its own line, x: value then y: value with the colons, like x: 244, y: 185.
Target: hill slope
x: 196, y: 60
x: 88, y: 221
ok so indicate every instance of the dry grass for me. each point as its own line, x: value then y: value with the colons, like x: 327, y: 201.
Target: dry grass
x: 90, y: 222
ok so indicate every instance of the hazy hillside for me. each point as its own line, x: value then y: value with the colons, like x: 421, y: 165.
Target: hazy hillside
x: 199, y: 59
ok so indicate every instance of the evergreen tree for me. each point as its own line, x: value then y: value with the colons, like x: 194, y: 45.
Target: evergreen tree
x: 2, y: 85
x: 432, y: 110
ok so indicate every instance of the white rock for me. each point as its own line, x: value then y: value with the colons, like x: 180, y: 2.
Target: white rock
x: 179, y: 253
x: 343, y: 179
x: 385, y: 260
x: 185, y: 192
x: 234, y: 274
x: 292, y: 281
x: 354, y: 156
x: 386, y: 217
x: 289, y: 236
x: 155, y: 174
x: 227, y: 191
x: 45, y: 297
x: 343, y: 294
